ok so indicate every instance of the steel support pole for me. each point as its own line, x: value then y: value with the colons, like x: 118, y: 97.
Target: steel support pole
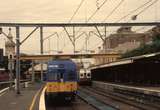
x: 11, y: 72
x: 105, y: 33
x: 33, y: 72
x: 17, y: 60
x: 57, y: 43
x: 74, y: 40
x: 41, y: 50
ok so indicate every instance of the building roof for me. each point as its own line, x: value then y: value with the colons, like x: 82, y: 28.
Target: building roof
x: 38, y: 68
x: 146, y: 57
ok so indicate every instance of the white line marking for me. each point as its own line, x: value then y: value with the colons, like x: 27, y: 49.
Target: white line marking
x: 3, y: 90
x: 2, y: 94
x: 42, y: 105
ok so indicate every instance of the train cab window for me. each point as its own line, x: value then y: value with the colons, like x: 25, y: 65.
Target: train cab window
x: 71, y: 76
x: 61, y: 75
x: 52, y: 76
x: 61, y: 71
x: 55, y: 75
x: 81, y: 75
x: 89, y: 75
x: 84, y: 74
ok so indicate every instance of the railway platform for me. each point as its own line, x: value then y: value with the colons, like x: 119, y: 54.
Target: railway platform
x: 28, y: 99
x: 152, y: 91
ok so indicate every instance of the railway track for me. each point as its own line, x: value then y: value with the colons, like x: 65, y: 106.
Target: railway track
x: 95, y: 99
x: 82, y: 102
x: 119, y: 101
x: 78, y: 104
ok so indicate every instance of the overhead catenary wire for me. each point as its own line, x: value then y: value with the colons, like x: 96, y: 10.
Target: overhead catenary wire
x: 76, y: 11
x: 131, y: 12
x: 92, y: 15
x: 143, y: 5
x: 117, y: 6
x: 72, y: 17
x: 98, y: 44
x: 79, y: 6
x: 142, y: 28
x: 147, y: 7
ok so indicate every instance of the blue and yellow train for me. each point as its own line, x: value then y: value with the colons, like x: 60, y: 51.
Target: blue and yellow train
x: 61, y: 79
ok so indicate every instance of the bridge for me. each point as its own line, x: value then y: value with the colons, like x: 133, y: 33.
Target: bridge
x: 67, y: 56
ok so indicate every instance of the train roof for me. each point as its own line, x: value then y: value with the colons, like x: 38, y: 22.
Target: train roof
x: 61, y: 61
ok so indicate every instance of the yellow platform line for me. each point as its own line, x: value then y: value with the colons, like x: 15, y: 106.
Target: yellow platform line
x: 34, y: 99
x: 42, y: 105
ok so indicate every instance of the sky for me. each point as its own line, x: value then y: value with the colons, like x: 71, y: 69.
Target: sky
x: 60, y: 11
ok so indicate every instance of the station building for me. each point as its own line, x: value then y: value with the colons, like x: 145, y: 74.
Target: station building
x: 9, y: 45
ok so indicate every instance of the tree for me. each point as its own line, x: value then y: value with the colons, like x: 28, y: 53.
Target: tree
x: 145, y: 49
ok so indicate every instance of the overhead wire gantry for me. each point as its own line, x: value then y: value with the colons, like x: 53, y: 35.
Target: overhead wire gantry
x: 41, y: 26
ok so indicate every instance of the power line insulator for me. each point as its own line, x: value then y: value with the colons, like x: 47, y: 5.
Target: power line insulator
x: 134, y: 17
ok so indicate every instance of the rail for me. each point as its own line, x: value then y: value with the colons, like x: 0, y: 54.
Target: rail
x: 99, y: 105
x: 140, y: 95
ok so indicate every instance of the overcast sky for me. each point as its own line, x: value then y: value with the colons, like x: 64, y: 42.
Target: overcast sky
x: 61, y: 11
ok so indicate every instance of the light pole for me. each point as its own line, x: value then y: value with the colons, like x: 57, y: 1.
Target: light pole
x: 11, y: 67
x: 41, y: 50
x: 33, y: 72
x: 18, y: 59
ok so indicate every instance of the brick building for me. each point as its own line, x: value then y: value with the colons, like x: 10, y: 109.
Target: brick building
x: 125, y: 39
